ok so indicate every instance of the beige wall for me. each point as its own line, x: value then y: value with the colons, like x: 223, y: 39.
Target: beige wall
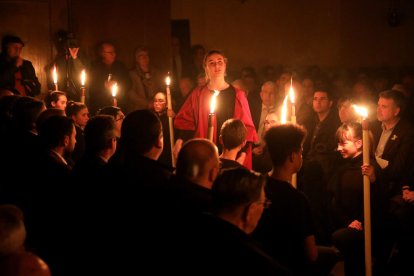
x: 329, y: 33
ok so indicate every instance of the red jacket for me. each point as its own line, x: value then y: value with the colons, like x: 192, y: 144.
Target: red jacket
x: 193, y: 116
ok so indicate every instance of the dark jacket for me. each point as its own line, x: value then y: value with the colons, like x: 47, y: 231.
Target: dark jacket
x: 8, y: 70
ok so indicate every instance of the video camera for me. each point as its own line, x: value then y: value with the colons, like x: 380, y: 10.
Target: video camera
x: 68, y: 40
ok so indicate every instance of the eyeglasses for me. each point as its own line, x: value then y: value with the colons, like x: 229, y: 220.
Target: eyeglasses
x: 266, y: 203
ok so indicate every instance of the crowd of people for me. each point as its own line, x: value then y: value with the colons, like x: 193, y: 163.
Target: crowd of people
x: 89, y: 187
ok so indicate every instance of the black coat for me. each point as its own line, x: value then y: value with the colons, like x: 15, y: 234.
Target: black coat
x: 8, y: 70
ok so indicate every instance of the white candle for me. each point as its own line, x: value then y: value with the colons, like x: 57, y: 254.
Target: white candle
x: 363, y: 112
x: 212, y: 115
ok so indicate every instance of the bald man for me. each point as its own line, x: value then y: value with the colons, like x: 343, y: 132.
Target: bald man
x: 197, y: 168
x: 14, y: 260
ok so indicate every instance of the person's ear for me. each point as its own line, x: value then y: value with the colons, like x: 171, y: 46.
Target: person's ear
x: 160, y: 142
x: 221, y: 139
x: 397, y: 111
x: 291, y: 157
x: 358, y: 144
x: 53, y: 104
x: 212, y: 174
x: 248, y: 213
x: 66, y: 140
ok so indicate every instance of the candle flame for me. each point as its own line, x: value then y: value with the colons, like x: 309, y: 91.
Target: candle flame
x: 362, y: 111
x: 55, y: 76
x: 284, y: 111
x: 114, y: 89
x: 213, y: 101
x: 168, y: 80
x: 83, y: 77
x: 291, y: 93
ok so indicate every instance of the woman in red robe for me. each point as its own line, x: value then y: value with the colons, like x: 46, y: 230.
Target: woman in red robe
x: 192, y: 119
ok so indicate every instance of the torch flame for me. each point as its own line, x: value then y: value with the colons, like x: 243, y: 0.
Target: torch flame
x: 55, y: 77
x: 168, y: 80
x: 362, y: 111
x: 213, y: 101
x: 284, y: 111
x: 114, y: 89
x: 83, y: 77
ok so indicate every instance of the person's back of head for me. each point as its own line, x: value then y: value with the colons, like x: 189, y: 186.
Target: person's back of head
x: 282, y: 141
x: 25, y: 112
x: 53, y: 131
x: 141, y: 134
x: 73, y: 108
x: 233, y: 134
x: 109, y: 110
x: 198, y: 161
x: 99, y: 133
x: 12, y: 230
x: 23, y: 264
x: 238, y: 197
x: 47, y: 114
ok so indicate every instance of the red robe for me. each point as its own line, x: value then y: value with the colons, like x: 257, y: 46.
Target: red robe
x: 193, y: 116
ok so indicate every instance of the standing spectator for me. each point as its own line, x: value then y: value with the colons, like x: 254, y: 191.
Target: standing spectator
x: 145, y: 81
x: 69, y: 64
x: 104, y: 74
x: 17, y: 73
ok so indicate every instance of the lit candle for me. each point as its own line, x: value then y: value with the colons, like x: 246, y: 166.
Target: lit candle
x: 114, y: 91
x: 363, y: 112
x: 55, y: 78
x: 292, y: 101
x: 212, y: 115
x: 170, y: 119
x: 83, y: 79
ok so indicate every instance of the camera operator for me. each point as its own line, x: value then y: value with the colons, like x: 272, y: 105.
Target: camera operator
x: 69, y: 66
x: 16, y: 73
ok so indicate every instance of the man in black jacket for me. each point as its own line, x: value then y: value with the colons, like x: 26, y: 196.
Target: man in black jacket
x: 16, y: 73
